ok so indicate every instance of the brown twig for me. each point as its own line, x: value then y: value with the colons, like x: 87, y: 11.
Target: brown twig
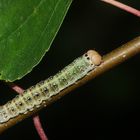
x: 123, y: 7
x: 36, y: 118
x: 110, y: 60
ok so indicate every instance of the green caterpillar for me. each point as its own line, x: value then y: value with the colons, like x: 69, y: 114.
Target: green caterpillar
x: 34, y: 96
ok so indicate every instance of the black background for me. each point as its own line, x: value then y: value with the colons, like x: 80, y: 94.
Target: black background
x: 107, y: 107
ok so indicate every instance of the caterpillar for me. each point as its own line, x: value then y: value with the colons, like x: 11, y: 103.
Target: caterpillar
x: 36, y: 95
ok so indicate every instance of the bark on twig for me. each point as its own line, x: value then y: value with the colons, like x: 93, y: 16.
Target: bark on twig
x: 110, y: 60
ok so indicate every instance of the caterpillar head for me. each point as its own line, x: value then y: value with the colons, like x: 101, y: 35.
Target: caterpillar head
x: 94, y: 57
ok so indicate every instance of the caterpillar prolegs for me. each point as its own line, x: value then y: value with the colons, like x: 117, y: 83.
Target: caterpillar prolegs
x: 34, y: 96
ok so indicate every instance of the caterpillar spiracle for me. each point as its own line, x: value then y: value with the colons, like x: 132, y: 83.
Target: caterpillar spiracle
x: 34, y: 96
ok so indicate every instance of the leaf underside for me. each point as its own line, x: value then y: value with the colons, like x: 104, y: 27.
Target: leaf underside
x: 27, y: 29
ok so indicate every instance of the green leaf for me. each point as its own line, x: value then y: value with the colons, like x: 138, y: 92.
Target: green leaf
x: 27, y: 29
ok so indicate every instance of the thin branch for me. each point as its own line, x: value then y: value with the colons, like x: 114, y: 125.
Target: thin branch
x: 15, y: 87
x: 36, y: 118
x: 39, y: 128
x: 123, y: 7
x: 110, y: 60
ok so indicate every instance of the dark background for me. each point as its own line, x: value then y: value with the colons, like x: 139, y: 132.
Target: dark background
x: 107, y: 107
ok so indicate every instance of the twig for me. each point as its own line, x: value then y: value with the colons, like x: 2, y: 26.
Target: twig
x: 124, y: 7
x: 15, y: 87
x: 39, y: 128
x: 110, y: 60
x: 36, y: 118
